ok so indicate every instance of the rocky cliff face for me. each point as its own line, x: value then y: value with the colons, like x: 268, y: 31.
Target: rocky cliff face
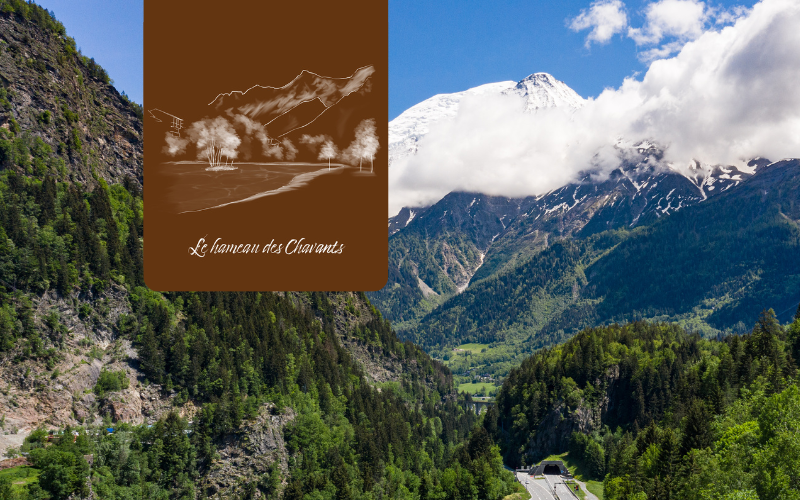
x: 49, y: 91
x: 60, y: 117
x: 58, y: 391
x: 553, y: 434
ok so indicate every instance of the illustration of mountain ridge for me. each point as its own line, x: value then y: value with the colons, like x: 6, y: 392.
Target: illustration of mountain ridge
x: 295, y: 105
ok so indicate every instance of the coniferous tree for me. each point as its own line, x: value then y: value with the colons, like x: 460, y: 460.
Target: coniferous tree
x: 595, y: 458
x: 47, y: 200
x: 639, y: 404
x: 766, y: 332
x: 150, y: 355
x: 340, y: 479
x: 696, y: 428
x: 135, y: 268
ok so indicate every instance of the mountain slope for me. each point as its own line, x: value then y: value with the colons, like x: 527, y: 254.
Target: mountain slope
x: 711, y: 265
x: 270, y: 381
x: 640, y: 192
x: 58, y: 113
x: 436, y: 255
x: 465, y: 238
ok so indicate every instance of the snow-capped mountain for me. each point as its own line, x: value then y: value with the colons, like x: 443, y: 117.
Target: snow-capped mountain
x: 448, y: 248
x: 540, y: 90
x: 471, y: 236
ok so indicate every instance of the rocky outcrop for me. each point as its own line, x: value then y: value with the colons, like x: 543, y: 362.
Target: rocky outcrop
x: 553, y: 434
x: 139, y: 405
x: 13, y: 462
x: 249, y: 455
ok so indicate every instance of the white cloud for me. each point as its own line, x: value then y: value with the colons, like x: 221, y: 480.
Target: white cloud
x: 727, y: 96
x: 682, y: 19
x: 668, y: 24
x: 661, y: 52
x: 606, y: 18
x: 729, y: 16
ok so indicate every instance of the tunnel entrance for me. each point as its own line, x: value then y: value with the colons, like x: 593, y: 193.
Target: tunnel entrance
x: 549, y: 467
x: 552, y: 469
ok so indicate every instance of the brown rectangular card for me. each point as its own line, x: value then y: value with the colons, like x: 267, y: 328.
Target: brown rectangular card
x: 266, y: 159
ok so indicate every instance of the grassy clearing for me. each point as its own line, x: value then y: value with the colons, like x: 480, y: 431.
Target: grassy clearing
x: 472, y: 388
x: 578, y: 471
x: 522, y: 495
x: 595, y: 488
x: 21, y: 476
x: 473, y: 348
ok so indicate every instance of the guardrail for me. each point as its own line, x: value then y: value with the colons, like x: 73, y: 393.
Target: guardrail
x: 573, y: 491
x: 552, y: 487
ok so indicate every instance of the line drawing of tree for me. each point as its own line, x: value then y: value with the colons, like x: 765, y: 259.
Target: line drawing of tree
x: 366, y: 143
x: 215, y: 139
x: 370, y: 146
x: 328, y: 150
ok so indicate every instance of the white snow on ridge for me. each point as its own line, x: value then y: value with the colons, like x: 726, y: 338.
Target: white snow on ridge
x: 411, y: 216
x: 414, y: 123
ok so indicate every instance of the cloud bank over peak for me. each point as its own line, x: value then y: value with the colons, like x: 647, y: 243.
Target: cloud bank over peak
x: 728, y: 95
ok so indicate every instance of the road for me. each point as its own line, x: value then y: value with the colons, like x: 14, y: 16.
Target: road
x: 538, y: 488
x: 542, y: 489
x: 562, y: 490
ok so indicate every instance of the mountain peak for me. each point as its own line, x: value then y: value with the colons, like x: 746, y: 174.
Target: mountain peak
x: 542, y: 90
x: 541, y: 76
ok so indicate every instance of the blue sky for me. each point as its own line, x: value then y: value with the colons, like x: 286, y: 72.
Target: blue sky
x: 434, y: 47
x: 452, y: 45
x: 111, y: 32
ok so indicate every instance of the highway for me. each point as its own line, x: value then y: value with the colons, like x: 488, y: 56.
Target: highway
x: 562, y: 490
x: 542, y: 489
x: 538, y: 488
